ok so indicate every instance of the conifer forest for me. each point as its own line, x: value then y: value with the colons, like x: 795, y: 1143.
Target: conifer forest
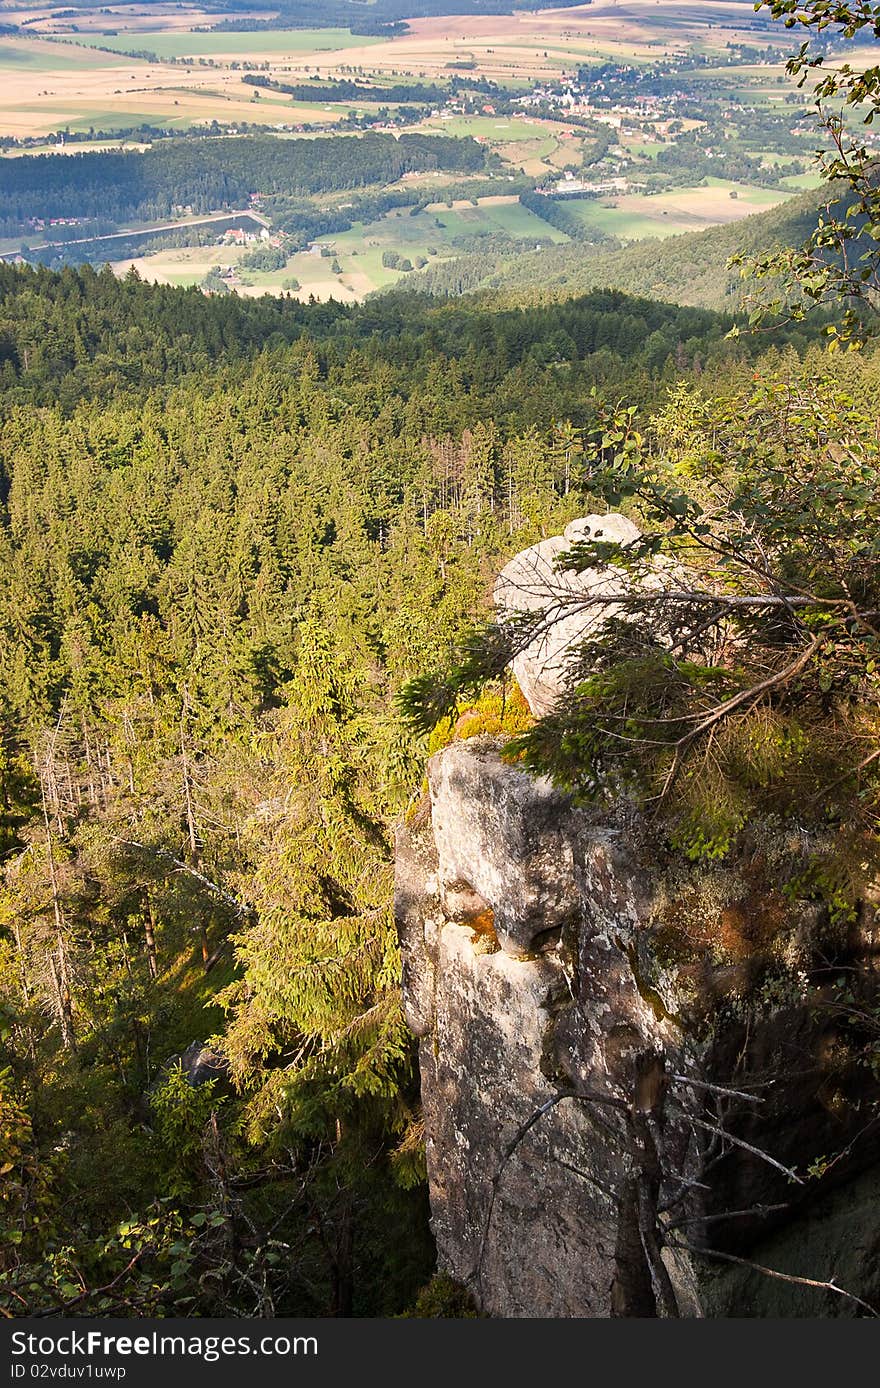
x: 248, y: 545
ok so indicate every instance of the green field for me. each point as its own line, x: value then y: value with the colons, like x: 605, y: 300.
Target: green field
x: 644, y: 149
x: 189, y: 45
x: 518, y: 221
x: 102, y: 119
x: 497, y: 129
x: 18, y: 57
x: 429, y: 234
x: 463, y: 220
x: 437, y: 227
x: 800, y: 182
x: 127, y: 119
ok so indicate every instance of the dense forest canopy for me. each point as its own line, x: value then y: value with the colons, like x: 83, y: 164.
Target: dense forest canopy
x: 232, y: 532
x: 215, y: 173
x: 80, y: 332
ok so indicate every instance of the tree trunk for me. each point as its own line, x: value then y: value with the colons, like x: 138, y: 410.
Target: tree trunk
x: 62, y: 1001
x: 150, y: 937
x: 60, y: 971
x: 343, y: 1263
x: 191, y: 829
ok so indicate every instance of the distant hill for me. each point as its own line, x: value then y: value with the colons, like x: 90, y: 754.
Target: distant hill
x: 375, y: 17
x: 363, y: 19
x: 690, y: 269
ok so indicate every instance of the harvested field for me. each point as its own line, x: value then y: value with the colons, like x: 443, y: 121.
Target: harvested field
x: 633, y: 216
x: 47, y: 85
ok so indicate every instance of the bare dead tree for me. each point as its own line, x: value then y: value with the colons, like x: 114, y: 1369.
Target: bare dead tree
x: 648, y: 1224
x: 58, y: 961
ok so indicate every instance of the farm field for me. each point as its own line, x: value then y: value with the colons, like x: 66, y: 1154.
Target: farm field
x: 189, y: 266
x: 496, y: 130
x: 525, y: 144
x: 280, y: 43
x: 51, y: 86
x: 644, y: 149
x: 430, y: 234
x: 440, y: 224
x: 542, y: 44
x: 800, y: 182
x: 173, y: 14
x: 632, y: 216
x: 48, y: 85
x: 33, y: 56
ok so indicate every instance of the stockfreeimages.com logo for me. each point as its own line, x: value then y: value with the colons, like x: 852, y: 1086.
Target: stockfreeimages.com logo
x: 93, y: 1344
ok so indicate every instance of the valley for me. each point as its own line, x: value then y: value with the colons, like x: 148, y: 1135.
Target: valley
x: 609, y: 124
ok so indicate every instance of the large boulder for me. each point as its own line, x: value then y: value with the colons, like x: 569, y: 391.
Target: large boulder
x: 530, y: 583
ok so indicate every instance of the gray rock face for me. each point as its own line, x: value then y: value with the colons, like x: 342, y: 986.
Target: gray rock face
x: 530, y: 583
x: 491, y: 905
x: 500, y: 845
x: 533, y: 972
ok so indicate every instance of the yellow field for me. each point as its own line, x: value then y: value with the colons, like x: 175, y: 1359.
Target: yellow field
x: 47, y: 85
x: 633, y: 216
x: 540, y: 44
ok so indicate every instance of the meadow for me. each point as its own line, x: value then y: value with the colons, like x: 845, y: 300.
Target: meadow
x: 431, y: 234
x: 32, y: 56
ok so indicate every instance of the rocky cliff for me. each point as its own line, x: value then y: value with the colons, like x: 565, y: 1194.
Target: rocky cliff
x: 641, y: 1089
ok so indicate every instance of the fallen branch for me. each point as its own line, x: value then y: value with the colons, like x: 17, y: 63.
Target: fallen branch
x: 717, y: 1089
x: 726, y: 1214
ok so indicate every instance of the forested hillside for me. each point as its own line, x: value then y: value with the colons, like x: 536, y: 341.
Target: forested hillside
x: 231, y: 531
x: 214, y: 173
x: 79, y: 333
x: 690, y: 269
x: 306, y: 13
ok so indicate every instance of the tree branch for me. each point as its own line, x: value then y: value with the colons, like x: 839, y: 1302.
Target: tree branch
x: 241, y: 908
x: 781, y: 1276
x: 747, y: 1147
